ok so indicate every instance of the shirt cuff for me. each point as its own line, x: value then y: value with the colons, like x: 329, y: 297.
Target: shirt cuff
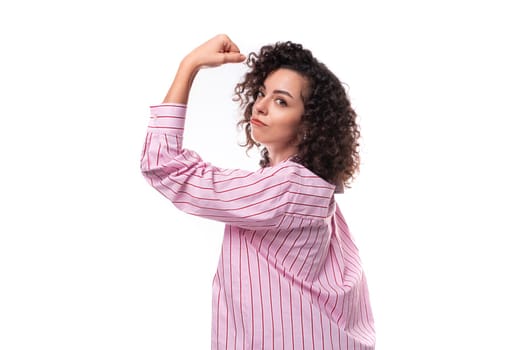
x: 167, y: 117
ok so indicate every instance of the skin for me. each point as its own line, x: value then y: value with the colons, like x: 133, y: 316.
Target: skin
x: 279, y: 105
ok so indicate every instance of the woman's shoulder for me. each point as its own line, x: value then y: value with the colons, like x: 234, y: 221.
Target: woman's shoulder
x: 296, y: 173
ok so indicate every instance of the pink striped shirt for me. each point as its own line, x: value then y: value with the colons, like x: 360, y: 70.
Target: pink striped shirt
x: 289, y: 275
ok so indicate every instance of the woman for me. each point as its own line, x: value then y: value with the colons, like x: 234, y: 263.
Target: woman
x: 289, y: 275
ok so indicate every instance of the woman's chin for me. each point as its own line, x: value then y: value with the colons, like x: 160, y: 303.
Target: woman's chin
x: 257, y: 138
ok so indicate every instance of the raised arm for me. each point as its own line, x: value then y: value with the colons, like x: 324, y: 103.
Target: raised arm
x: 214, y: 52
x: 287, y: 194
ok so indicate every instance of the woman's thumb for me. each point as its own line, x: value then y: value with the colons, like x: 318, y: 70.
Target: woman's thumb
x: 233, y: 57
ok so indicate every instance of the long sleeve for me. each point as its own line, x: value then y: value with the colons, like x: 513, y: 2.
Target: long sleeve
x: 260, y: 199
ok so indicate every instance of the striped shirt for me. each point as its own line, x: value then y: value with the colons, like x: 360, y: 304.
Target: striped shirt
x: 289, y: 275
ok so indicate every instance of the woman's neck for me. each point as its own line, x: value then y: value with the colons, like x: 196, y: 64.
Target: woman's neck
x: 277, y: 157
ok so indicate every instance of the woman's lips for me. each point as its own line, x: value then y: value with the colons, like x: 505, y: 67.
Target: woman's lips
x: 257, y: 122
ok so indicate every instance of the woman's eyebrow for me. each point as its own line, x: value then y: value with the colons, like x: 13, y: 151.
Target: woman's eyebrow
x: 284, y: 92
x: 278, y: 91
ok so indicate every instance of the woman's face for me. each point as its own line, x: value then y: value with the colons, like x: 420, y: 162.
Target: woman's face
x: 278, y: 109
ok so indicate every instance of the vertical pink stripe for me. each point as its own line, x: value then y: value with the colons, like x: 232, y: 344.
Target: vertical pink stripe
x: 217, y: 329
x: 340, y: 282
x: 301, y: 316
x: 158, y: 155
x: 147, y: 154
x: 167, y: 144
x: 312, y: 325
x: 241, y: 297
x: 251, y: 288
x: 272, y: 316
x: 281, y: 309
x: 339, y: 337
x: 291, y: 319
x: 331, y: 339
x: 321, y: 326
x: 227, y: 308
x: 261, y: 300
x: 231, y: 286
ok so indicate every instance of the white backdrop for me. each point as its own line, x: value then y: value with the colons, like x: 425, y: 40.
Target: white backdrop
x: 91, y: 257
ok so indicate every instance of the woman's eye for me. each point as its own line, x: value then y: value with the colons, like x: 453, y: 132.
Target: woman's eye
x: 259, y: 94
x: 280, y: 102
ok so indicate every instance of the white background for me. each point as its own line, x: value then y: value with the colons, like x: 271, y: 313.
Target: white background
x: 91, y: 257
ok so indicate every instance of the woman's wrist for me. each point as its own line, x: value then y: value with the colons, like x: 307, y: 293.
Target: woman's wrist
x: 189, y: 65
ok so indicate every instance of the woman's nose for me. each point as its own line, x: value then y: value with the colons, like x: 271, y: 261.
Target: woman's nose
x: 260, y: 106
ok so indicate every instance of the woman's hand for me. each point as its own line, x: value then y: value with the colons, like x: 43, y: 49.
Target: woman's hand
x: 214, y: 52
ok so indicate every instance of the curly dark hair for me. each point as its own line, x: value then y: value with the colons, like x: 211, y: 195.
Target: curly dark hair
x: 329, y: 147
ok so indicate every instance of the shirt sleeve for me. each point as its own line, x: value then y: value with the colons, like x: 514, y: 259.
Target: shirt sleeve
x: 253, y: 200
